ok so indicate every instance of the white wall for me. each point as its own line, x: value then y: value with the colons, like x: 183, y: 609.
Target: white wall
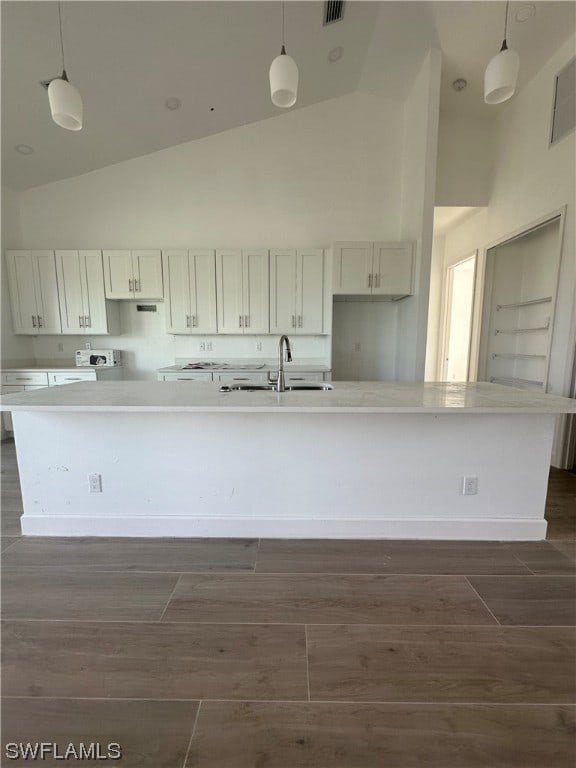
x: 465, y: 160
x: 364, y: 340
x: 15, y: 349
x: 420, y: 134
x: 530, y: 181
x: 306, y: 178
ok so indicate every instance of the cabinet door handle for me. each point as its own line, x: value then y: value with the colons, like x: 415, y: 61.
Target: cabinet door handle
x: 23, y: 378
x: 293, y: 321
x: 130, y: 287
x: 187, y: 321
x: 370, y: 281
x: 87, y: 321
x: 299, y: 321
x: 195, y: 321
x: 137, y: 287
x: 39, y: 321
x: 377, y: 276
x: 81, y: 321
x: 246, y: 321
x: 239, y: 321
x: 33, y: 321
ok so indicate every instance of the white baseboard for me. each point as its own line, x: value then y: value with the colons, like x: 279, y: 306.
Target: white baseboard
x: 485, y: 529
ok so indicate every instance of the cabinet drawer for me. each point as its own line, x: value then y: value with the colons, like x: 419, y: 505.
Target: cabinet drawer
x: 301, y: 377
x: 39, y: 378
x: 187, y: 376
x: 70, y: 378
x: 253, y: 378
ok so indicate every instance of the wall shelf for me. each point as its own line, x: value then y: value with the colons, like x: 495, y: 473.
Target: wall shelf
x: 516, y: 356
x: 531, y: 302
x: 513, y: 381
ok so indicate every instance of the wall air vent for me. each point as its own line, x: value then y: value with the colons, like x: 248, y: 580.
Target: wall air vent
x: 564, y: 109
x: 333, y: 11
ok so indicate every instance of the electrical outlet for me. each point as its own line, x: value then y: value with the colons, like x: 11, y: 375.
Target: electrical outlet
x: 469, y: 485
x: 87, y: 345
x: 95, y: 483
x: 60, y: 347
x: 209, y: 346
x: 357, y: 347
x: 258, y: 346
x: 202, y: 346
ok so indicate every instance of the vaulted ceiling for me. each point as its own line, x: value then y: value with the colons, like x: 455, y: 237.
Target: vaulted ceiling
x: 127, y: 58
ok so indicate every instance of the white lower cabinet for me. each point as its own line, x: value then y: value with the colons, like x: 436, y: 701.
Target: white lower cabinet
x: 185, y: 376
x: 241, y: 377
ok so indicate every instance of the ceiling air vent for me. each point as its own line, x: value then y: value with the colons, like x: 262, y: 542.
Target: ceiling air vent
x: 333, y: 11
x: 564, y: 111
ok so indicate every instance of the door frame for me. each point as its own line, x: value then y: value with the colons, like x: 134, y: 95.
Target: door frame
x: 447, y: 284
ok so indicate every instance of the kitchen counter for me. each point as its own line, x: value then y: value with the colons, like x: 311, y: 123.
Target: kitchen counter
x: 346, y: 397
x: 365, y: 460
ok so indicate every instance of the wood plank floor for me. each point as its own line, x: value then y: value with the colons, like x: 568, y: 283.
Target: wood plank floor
x: 241, y: 653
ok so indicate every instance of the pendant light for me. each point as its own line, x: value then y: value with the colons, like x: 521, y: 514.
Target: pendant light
x: 502, y: 72
x: 65, y: 100
x: 283, y: 77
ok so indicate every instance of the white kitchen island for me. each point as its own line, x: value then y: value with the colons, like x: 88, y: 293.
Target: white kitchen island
x: 365, y: 460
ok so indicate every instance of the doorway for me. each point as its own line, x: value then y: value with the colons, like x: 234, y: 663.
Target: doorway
x: 460, y: 281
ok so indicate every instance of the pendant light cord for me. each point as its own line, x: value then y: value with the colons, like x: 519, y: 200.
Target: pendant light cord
x: 61, y: 38
x: 283, y: 40
x: 504, y: 43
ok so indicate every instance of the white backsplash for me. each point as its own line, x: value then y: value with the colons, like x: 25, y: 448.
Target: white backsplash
x: 146, y: 346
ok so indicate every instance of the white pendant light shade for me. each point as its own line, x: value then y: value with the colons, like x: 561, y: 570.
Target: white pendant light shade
x: 501, y: 76
x: 283, y: 80
x: 65, y: 104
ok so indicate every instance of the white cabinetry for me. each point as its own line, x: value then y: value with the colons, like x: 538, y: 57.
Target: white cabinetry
x: 83, y: 306
x: 190, y: 279
x: 133, y: 274
x: 242, y: 279
x: 185, y: 376
x: 374, y: 269
x: 33, y: 292
x: 297, y: 291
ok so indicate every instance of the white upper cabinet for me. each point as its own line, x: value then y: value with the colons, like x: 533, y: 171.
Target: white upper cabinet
x: 33, y: 292
x: 190, y: 279
x: 83, y: 306
x: 133, y: 274
x: 242, y: 280
x: 393, y: 269
x: 374, y: 269
x: 297, y: 291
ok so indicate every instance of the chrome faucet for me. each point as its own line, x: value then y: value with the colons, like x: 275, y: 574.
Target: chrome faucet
x: 280, y: 381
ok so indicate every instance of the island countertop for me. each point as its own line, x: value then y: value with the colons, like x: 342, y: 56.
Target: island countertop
x: 345, y: 397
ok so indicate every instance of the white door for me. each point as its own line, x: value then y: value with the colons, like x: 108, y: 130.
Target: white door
x: 203, y: 291
x: 458, y: 327
x: 118, y: 274
x: 47, y: 292
x: 283, y: 291
x: 69, y: 273
x: 229, y: 291
x: 393, y: 269
x: 353, y: 268
x: 147, y: 270
x: 310, y: 292
x: 92, y: 274
x: 22, y: 291
x: 177, y: 279
x: 256, y: 291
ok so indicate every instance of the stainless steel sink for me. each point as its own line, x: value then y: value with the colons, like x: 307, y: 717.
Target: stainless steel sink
x: 312, y: 386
